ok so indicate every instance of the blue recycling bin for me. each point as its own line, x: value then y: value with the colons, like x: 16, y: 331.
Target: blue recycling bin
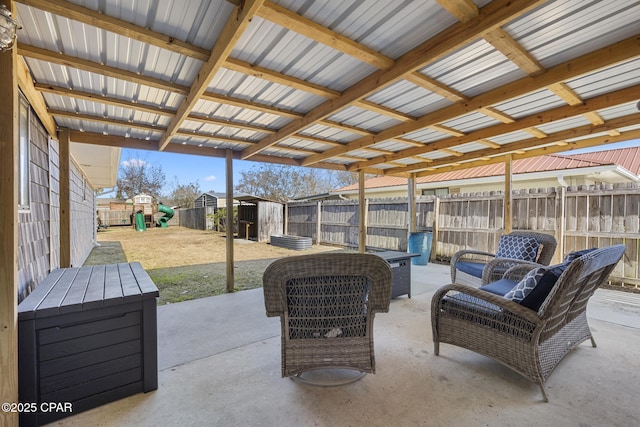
x: 420, y: 243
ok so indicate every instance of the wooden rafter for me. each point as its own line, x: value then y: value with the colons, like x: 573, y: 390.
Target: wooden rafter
x: 520, y: 154
x: 558, y: 113
x: 594, y: 60
x: 97, y: 68
x: 100, y: 20
x: 527, y: 144
x: 233, y: 29
x: 306, y: 27
x: 434, y: 86
x: 494, y: 15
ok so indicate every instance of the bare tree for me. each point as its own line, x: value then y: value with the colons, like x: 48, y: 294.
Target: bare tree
x: 139, y: 176
x: 183, y: 195
x: 282, y: 183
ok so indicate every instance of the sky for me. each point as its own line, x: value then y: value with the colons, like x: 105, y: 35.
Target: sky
x: 210, y: 173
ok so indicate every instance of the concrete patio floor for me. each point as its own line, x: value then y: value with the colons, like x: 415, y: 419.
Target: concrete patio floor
x: 219, y: 365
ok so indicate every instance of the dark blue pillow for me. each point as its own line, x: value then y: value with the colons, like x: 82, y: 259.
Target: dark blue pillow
x: 576, y: 254
x: 538, y: 294
x: 472, y: 268
x: 499, y: 287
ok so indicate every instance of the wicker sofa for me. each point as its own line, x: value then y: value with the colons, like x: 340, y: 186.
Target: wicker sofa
x: 475, y: 268
x: 326, y: 304
x: 530, y: 341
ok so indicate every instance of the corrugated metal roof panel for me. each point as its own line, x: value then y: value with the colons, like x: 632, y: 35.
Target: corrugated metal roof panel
x: 268, y: 45
x: 565, y: 29
x: 619, y: 110
x: 474, y: 69
x: 364, y: 119
x: 426, y: 135
x: 470, y: 122
x: 617, y: 77
x: 534, y: 102
x: 565, y: 124
x: 408, y: 98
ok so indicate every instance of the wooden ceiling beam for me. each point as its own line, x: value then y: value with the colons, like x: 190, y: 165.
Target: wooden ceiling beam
x: 425, y: 82
x: 97, y: 68
x: 528, y: 144
x: 231, y: 33
x: 306, y: 27
x: 241, y: 103
x: 93, y: 97
x: 492, y: 16
x: 596, y: 103
x: 594, y: 60
x: 464, y: 10
x: 279, y: 78
x: 117, y: 26
x: 597, y: 141
x: 25, y: 82
x: 504, y: 43
x: 228, y: 123
x: 105, y: 120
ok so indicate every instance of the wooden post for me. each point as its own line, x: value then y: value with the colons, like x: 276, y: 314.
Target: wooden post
x: 318, y: 221
x: 435, y: 228
x: 9, y: 229
x: 508, y: 214
x: 561, y: 223
x: 286, y: 219
x: 362, y: 217
x: 229, y: 241
x: 413, y: 219
x: 65, y: 198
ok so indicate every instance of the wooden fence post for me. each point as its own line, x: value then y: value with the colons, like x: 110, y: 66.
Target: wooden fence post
x: 435, y: 228
x: 318, y: 222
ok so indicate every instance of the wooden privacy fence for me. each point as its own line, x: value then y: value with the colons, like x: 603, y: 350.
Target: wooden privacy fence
x: 578, y: 218
x: 197, y: 218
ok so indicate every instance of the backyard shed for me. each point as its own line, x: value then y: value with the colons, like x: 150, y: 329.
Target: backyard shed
x: 259, y: 218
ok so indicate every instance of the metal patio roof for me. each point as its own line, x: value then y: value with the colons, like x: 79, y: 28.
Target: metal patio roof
x: 389, y: 87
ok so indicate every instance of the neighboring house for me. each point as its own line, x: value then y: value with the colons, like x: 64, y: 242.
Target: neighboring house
x: 609, y: 166
x: 41, y: 241
x: 215, y: 200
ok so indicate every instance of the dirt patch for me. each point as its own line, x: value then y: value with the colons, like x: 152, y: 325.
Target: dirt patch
x: 187, y: 264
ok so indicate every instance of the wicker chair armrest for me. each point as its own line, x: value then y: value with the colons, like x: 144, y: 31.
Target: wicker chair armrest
x: 470, y: 254
x: 498, y: 268
x: 506, y: 305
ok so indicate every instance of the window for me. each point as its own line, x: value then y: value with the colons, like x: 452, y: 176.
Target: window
x: 435, y: 192
x: 24, y: 177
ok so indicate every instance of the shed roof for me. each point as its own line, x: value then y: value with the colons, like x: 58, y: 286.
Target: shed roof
x: 415, y: 86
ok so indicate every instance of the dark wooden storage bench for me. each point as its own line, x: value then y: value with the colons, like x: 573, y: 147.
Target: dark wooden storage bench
x: 400, y: 263
x: 87, y: 336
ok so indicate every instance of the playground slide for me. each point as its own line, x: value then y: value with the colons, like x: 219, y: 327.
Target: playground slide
x: 168, y: 214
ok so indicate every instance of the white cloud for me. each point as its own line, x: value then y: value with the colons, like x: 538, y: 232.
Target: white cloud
x: 133, y: 163
x: 210, y: 178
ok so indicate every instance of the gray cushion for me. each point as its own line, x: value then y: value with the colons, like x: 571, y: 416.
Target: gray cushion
x: 517, y: 247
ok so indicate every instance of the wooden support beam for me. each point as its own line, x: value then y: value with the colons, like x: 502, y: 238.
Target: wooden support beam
x: 464, y: 10
x: 362, y: 213
x: 308, y: 28
x: 9, y: 135
x: 508, y: 213
x: 64, y: 137
x: 419, y: 79
x: 411, y: 189
x: 493, y: 15
x: 114, y: 25
x: 97, y: 68
x: 512, y: 50
x: 229, y: 220
x: 232, y: 31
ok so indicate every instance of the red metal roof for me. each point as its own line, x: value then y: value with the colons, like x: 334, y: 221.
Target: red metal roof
x: 629, y: 158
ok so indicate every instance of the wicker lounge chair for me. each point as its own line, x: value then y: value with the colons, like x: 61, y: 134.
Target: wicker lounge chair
x: 475, y: 268
x: 326, y: 303
x: 530, y: 342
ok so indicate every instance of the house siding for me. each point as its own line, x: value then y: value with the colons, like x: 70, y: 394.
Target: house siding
x: 39, y: 226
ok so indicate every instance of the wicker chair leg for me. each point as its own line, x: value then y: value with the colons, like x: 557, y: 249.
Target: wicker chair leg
x: 544, y: 394
x: 436, y: 348
x: 593, y: 342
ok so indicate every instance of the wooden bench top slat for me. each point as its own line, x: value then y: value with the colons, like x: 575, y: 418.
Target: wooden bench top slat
x: 51, y: 304
x: 75, y: 297
x: 94, y: 296
x: 147, y: 287
x: 28, y: 307
x: 112, y: 285
x: 130, y: 289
